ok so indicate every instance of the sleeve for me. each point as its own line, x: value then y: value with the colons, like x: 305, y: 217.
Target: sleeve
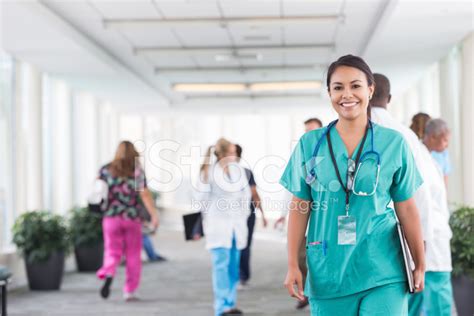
x: 447, y: 163
x: 140, y: 179
x: 406, y: 179
x: 425, y: 165
x: 251, y: 178
x: 294, y: 176
x: 103, y: 173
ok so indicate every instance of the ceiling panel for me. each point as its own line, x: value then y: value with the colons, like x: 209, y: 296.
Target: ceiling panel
x: 256, y: 34
x: 267, y: 58
x: 126, y: 10
x: 149, y: 35
x: 202, y: 35
x: 310, y: 33
x: 167, y: 60
x: 308, y: 56
x: 250, y: 8
x: 282, y: 75
x: 188, y: 9
x: 209, y: 60
x: 352, y: 35
x: 311, y: 7
x: 82, y: 10
x: 181, y: 76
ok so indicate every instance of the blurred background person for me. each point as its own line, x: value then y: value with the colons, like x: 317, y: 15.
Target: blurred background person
x: 148, y: 231
x: 437, y: 297
x: 312, y: 123
x: 152, y: 254
x: 418, y: 123
x: 309, y: 125
x: 424, y: 162
x: 224, y: 195
x: 431, y: 200
x: 436, y: 138
x: 255, y: 203
x: 122, y: 227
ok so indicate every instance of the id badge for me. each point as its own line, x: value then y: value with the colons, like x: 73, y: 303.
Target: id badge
x: 346, y: 230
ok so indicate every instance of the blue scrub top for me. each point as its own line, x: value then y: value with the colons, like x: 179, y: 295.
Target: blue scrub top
x: 376, y: 258
x: 442, y: 158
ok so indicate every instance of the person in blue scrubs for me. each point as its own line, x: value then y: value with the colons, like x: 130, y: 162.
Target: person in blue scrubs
x: 350, y: 181
x: 436, y: 139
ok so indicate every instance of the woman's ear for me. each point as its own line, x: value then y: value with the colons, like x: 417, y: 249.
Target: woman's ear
x: 371, y: 91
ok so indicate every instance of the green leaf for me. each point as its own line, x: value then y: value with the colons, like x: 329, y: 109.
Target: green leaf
x: 462, y: 242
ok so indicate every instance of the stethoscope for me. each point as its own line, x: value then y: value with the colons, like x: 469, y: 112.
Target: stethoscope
x: 311, y: 177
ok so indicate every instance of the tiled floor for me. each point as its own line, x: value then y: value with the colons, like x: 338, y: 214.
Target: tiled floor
x: 179, y: 287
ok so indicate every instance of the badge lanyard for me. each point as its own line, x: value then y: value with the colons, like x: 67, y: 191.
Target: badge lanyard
x: 346, y: 224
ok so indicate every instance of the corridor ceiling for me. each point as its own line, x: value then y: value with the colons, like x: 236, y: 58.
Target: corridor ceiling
x: 156, y: 44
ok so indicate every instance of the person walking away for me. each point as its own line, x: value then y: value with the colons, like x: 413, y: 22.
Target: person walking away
x: 121, y: 224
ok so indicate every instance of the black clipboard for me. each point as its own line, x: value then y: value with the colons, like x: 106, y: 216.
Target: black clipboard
x: 192, y: 225
x: 407, y: 258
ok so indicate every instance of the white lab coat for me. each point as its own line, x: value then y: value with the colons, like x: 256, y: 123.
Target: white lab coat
x: 225, y: 204
x: 430, y: 198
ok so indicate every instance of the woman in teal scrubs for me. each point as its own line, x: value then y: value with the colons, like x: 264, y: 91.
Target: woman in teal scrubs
x: 355, y: 263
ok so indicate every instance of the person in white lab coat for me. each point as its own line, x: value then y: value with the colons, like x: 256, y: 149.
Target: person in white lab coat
x: 431, y: 200
x: 224, y: 197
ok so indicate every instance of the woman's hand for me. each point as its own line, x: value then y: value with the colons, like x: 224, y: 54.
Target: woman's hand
x: 155, y: 221
x: 264, y: 221
x: 419, y: 279
x: 294, y: 277
x: 280, y: 221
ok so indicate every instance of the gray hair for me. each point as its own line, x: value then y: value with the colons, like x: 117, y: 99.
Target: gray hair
x: 436, y: 127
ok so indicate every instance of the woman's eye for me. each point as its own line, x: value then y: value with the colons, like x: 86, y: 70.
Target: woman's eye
x: 356, y: 86
x: 337, y: 88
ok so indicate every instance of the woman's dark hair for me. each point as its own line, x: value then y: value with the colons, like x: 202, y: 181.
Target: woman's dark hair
x: 354, y: 62
x: 418, y: 124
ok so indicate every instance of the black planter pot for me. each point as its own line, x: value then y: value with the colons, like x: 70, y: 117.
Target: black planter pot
x: 463, y: 289
x: 89, y: 258
x: 46, y: 275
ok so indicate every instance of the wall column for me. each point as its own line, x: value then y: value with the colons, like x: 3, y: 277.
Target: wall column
x: 467, y: 118
x: 450, y: 112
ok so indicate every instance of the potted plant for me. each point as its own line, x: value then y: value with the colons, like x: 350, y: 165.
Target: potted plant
x: 43, y: 240
x: 462, y: 248
x: 86, y: 235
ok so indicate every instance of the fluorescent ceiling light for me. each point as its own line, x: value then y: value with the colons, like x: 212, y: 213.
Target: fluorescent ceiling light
x: 237, y: 55
x: 209, y: 87
x: 289, y: 85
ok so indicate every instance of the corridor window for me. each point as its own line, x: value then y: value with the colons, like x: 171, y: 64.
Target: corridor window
x: 7, y: 213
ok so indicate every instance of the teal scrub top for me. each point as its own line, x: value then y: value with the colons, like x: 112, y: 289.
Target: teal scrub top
x: 376, y: 258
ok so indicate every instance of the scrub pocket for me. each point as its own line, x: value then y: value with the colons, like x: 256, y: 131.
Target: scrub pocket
x: 322, y: 269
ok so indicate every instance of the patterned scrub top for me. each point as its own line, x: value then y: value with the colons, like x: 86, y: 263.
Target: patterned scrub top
x: 124, y: 193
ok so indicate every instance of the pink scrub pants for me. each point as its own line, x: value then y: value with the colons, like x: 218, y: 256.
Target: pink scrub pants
x: 122, y: 236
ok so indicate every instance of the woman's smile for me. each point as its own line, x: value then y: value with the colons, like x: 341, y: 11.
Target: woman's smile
x: 349, y: 104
